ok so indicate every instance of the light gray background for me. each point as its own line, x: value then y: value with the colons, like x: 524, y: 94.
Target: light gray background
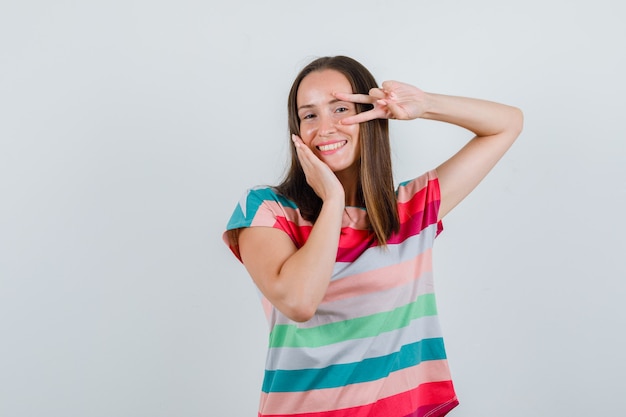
x: 129, y: 130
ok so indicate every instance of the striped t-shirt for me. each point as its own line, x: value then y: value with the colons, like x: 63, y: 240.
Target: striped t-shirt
x: 374, y: 348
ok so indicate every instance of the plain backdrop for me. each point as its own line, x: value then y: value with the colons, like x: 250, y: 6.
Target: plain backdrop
x: 129, y: 130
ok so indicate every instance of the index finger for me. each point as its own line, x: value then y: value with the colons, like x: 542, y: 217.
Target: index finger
x: 356, y: 98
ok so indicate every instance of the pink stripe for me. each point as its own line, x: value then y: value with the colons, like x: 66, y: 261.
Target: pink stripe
x: 267, y: 308
x: 401, y: 405
x: 370, y: 282
x: 272, y: 214
x: 270, y: 208
x: 356, y: 395
x: 428, y: 181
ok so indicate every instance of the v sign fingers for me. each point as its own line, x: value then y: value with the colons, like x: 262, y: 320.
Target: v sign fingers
x: 377, y: 93
x: 403, y: 101
x: 394, y: 100
x: 373, y: 98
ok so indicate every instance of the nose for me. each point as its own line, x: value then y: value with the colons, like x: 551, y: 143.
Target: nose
x: 327, y: 126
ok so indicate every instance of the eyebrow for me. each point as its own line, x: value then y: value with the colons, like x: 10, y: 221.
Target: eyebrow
x: 310, y: 106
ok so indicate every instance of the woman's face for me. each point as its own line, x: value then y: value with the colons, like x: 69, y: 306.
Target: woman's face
x: 320, y: 112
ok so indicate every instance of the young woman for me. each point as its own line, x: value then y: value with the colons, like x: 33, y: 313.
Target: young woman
x: 343, y: 259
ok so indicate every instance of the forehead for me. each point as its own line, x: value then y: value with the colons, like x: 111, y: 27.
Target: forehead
x: 321, y: 84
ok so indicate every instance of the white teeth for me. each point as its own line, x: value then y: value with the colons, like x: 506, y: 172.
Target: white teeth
x: 331, y: 147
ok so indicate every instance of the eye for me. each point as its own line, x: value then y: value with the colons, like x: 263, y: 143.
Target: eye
x: 345, y: 108
x: 307, y: 116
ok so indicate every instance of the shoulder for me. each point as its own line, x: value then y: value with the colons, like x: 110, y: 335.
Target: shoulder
x: 418, y: 203
x: 259, y: 201
x: 426, y: 184
x: 263, y: 206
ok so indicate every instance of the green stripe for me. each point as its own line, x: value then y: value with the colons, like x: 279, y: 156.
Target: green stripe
x: 289, y: 335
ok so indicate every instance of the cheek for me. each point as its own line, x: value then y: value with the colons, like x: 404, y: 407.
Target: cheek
x: 307, y: 133
x: 352, y: 130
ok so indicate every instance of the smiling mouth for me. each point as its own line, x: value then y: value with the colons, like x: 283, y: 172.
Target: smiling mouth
x: 331, y: 146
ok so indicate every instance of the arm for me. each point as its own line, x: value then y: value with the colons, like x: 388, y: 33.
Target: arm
x: 295, y: 280
x: 496, y: 126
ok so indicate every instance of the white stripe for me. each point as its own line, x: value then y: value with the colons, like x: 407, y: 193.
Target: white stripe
x: 354, y: 350
x: 377, y: 257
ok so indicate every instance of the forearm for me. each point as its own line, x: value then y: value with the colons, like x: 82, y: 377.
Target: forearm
x: 304, y: 277
x: 482, y: 117
x: 496, y: 127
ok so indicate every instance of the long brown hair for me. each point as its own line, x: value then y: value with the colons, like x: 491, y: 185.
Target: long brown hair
x: 375, y: 183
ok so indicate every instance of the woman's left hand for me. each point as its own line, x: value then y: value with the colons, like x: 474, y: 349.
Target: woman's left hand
x: 394, y: 100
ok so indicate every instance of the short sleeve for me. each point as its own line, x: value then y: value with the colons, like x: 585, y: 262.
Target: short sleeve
x: 260, y: 207
x: 419, y: 200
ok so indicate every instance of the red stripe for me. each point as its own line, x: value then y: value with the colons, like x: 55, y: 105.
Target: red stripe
x: 358, y: 238
x: 352, y: 238
x: 298, y: 234
x: 418, y: 402
x: 416, y: 203
x: 417, y: 222
x: 346, y: 253
x: 416, y: 214
x: 434, y: 410
x: 415, y: 403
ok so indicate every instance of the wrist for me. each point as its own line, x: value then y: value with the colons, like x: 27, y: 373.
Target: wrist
x: 335, y: 202
x: 431, y: 106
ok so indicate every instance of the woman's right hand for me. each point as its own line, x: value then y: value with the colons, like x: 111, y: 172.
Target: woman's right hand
x: 318, y: 175
x: 294, y: 279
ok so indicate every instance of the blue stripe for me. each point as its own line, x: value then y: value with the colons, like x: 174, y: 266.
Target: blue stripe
x: 270, y: 194
x: 237, y: 220
x: 351, y: 373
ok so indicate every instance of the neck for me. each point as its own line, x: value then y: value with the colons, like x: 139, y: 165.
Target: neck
x: 350, y: 186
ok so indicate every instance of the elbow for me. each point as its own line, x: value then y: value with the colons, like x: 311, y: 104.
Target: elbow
x: 298, y: 310
x: 300, y: 313
x: 298, y: 304
x: 518, y: 121
x: 301, y: 318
